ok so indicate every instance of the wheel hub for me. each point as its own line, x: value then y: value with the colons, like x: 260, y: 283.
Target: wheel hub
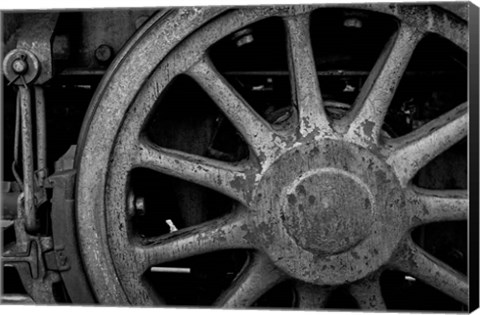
x: 327, y: 213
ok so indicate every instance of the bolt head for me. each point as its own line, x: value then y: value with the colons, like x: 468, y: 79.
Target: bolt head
x: 353, y: 23
x: 140, y: 206
x: 104, y: 53
x: 20, y: 66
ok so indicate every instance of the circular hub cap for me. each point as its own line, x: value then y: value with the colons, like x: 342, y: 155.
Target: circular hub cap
x: 327, y: 211
x: 322, y: 209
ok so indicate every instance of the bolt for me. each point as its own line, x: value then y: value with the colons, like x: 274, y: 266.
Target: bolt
x: 19, y: 66
x: 140, y: 206
x: 243, y: 37
x: 353, y: 22
x: 103, y: 53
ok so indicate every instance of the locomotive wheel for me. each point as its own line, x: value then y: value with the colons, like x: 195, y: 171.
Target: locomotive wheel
x: 325, y: 203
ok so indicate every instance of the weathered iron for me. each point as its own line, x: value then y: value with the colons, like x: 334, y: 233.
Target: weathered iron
x: 327, y: 204
x: 324, y: 199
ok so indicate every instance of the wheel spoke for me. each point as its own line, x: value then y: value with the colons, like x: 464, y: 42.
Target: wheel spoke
x: 311, y: 296
x: 438, y: 205
x: 305, y: 86
x: 368, y: 294
x: 372, y: 103
x: 418, y: 263
x: 256, y: 131
x: 254, y: 280
x: 223, y: 177
x: 227, y: 232
x: 413, y: 151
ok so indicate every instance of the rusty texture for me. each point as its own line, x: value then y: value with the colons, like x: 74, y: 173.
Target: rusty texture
x: 412, y: 259
x: 259, y: 275
x: 368, y: 294
x: 295, y: 186
x: 306, y: 93
x: 31, y: 223
x: 31, y: 63
x: 41, y: 138
x: 65, y: 247
x: 408, y: 154
x: 27, y: 256
x: 372, y: 103
x: 311, y: 297
x: 36, y: 35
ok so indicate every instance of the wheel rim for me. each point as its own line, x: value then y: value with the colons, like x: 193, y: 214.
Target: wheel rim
x: 284, y: 165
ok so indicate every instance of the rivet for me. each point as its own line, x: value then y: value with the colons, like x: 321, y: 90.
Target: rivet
x: 103, y: 53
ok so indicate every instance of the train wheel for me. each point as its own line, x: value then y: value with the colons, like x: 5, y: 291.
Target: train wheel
x: 315, y: 202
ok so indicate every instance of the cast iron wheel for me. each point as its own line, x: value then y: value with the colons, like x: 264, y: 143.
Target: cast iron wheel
x: 325, y: 202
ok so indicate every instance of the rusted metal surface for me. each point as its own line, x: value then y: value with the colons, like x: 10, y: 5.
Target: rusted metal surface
x: 41, y: 138
x: 320, y: 205
x: 368, y: 294
x: 413, y: 260
x: 460, y: 8
x: 256, y: 131
x: 27, y: 256
x: 222, y: 177
x: 102, y: 28
x: 36, y: 36
x: 259, y: 275
x: 65, y: 245
x: 31, y: 223
x: 224, y: 233
x: 372, y: 103
x: 428, y: 206
x: 410, y: 153
x: 30, y: 71
x: 311, y: 297
x: 306, y: 93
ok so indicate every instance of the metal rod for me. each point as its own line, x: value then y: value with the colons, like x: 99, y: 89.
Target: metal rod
x: 82, y: 72
x: 16, y: 143
x: 31, y: 224
x: 170, y: 269
x: 98, y: 72
x: 325, y: 73
x: 21, y: 299
x: 41, y: 135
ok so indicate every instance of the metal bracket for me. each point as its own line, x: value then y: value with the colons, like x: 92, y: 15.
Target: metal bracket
x: 65, y: 256
x: 26, y: 256
x: 36, y: 35
x: 56, y: 260
x: 30, y: 257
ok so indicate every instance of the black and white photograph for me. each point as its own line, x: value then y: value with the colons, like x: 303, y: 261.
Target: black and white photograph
x: 316, y: 156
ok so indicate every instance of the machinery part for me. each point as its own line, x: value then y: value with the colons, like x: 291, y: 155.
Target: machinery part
x: 16, y: 299
x: 20, y: 66
x: 36, y: 36
x: 65, y: 243
x: 10, y: 194
x: 27, y: 256
x: 41, y: 128
x: 104, y: 53
x: 33, y: 194
x: 31, y: 223
x: 294, y: 187
x: 21, y: 62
